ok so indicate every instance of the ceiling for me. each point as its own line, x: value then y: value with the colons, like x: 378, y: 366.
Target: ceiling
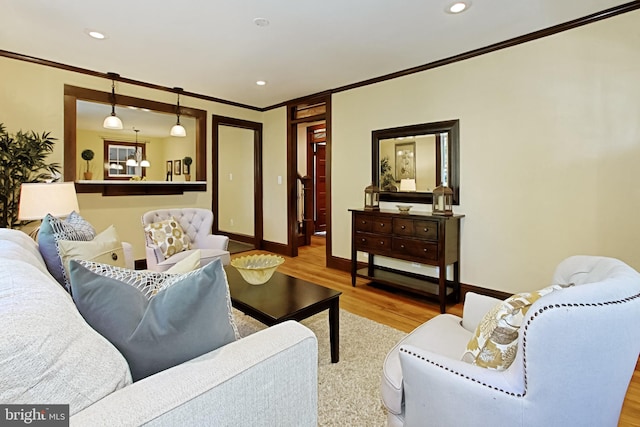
x: 214, y: 48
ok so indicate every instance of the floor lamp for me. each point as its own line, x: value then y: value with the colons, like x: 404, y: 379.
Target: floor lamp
x: 39, y: 199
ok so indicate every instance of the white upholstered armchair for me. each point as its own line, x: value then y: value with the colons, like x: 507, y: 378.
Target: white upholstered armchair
x: 577, y: 351
x: 196, y: 224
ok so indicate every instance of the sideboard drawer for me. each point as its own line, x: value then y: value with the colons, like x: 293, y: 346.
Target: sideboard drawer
x: 372, y: 243
x: 403, y: 227
x: 382, y: 226
x: 426, y: 230
x: 415, y: 249
x: 363, y: 222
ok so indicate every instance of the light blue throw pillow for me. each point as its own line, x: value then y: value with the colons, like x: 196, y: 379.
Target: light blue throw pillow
x: 55, y: 229
x: 156, y: 320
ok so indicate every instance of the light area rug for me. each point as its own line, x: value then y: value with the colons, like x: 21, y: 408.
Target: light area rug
x: 348, y: 391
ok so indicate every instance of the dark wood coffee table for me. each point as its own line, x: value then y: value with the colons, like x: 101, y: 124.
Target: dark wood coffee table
x: 286, y: 298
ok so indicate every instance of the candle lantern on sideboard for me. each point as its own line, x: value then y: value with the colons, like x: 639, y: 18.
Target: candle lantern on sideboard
x: 372, y: 198
x: 442, y: 200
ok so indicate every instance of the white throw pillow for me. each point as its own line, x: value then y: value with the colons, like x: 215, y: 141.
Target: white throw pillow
x: 190, y: 263
x: 105, y: 248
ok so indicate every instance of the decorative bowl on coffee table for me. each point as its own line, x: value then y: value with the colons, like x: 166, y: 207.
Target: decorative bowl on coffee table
x: 257, y: 269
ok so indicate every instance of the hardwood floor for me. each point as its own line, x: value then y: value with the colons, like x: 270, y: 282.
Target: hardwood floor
x: 399, y: 310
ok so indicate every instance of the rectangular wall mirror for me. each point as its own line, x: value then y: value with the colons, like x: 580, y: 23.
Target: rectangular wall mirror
x: 408, y: 162
x: 147, y: 126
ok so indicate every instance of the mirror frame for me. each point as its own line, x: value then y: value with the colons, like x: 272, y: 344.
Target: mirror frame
x: 452, y: 127
x: 123, y: 188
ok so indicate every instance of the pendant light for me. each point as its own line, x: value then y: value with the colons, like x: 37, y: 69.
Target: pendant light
x: 112, y: 121
x: 137, y: 159
x: 144, y: 163
x: 178, y: 129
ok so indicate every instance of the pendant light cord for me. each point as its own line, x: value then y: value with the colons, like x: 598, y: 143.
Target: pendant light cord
x: 178, y: 109
x: 113, y: 97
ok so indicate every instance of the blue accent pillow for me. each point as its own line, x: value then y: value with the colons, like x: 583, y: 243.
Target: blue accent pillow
x: 54, y: 229
x: 156, y: 320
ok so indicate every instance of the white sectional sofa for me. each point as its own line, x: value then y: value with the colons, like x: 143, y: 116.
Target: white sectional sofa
x: 50, y: 355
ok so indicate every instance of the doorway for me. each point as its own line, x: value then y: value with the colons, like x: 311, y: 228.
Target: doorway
x: 301, y: 115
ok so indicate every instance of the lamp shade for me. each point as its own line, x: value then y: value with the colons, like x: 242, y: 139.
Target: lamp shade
x: 39, y: 199
x: 407, y: 184
x: 145, y: 163
x: 178, y: 130
x: 112, y: 122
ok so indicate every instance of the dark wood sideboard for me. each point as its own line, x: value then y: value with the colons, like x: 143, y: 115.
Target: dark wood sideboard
x: 418, y: 237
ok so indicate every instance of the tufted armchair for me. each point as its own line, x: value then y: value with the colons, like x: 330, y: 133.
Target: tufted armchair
x: 196, y: 223
x: 577, y: 351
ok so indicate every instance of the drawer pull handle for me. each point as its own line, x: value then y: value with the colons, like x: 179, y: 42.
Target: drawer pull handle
x: 401, y: 246
x: 381, y: 243
x: 364, y: 222
x: 426, y: 250
x: 382, y: 224
x: 403, y: 227
x: 363, y: 240
x: 426, y: 229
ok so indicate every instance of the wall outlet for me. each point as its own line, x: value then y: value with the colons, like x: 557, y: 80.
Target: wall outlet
x: 231, y: 221
x: 280, y: 179
x: 230, y: 177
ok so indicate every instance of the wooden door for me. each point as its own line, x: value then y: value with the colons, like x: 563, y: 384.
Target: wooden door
x: 316, y: 168
x: 320, y: 193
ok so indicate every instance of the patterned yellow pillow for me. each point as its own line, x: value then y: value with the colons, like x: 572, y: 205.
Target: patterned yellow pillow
x: 169, y: 236
x: 495, y: 342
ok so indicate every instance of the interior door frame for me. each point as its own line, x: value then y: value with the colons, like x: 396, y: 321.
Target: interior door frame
x: 292, y: 172
x: 257, y: 239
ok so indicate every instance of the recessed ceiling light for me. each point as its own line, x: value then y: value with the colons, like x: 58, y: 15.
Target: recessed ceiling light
x: 95, y: 34
x: 261, y: 83
x: 458, y: 7
x: 261, y: 22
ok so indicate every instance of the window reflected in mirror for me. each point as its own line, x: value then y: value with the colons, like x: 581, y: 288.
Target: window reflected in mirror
x: 124, y: 160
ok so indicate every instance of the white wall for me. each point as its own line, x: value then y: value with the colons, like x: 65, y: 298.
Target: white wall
x: 549, y: 148
x: 274, y: 164
x: 236, y: 180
